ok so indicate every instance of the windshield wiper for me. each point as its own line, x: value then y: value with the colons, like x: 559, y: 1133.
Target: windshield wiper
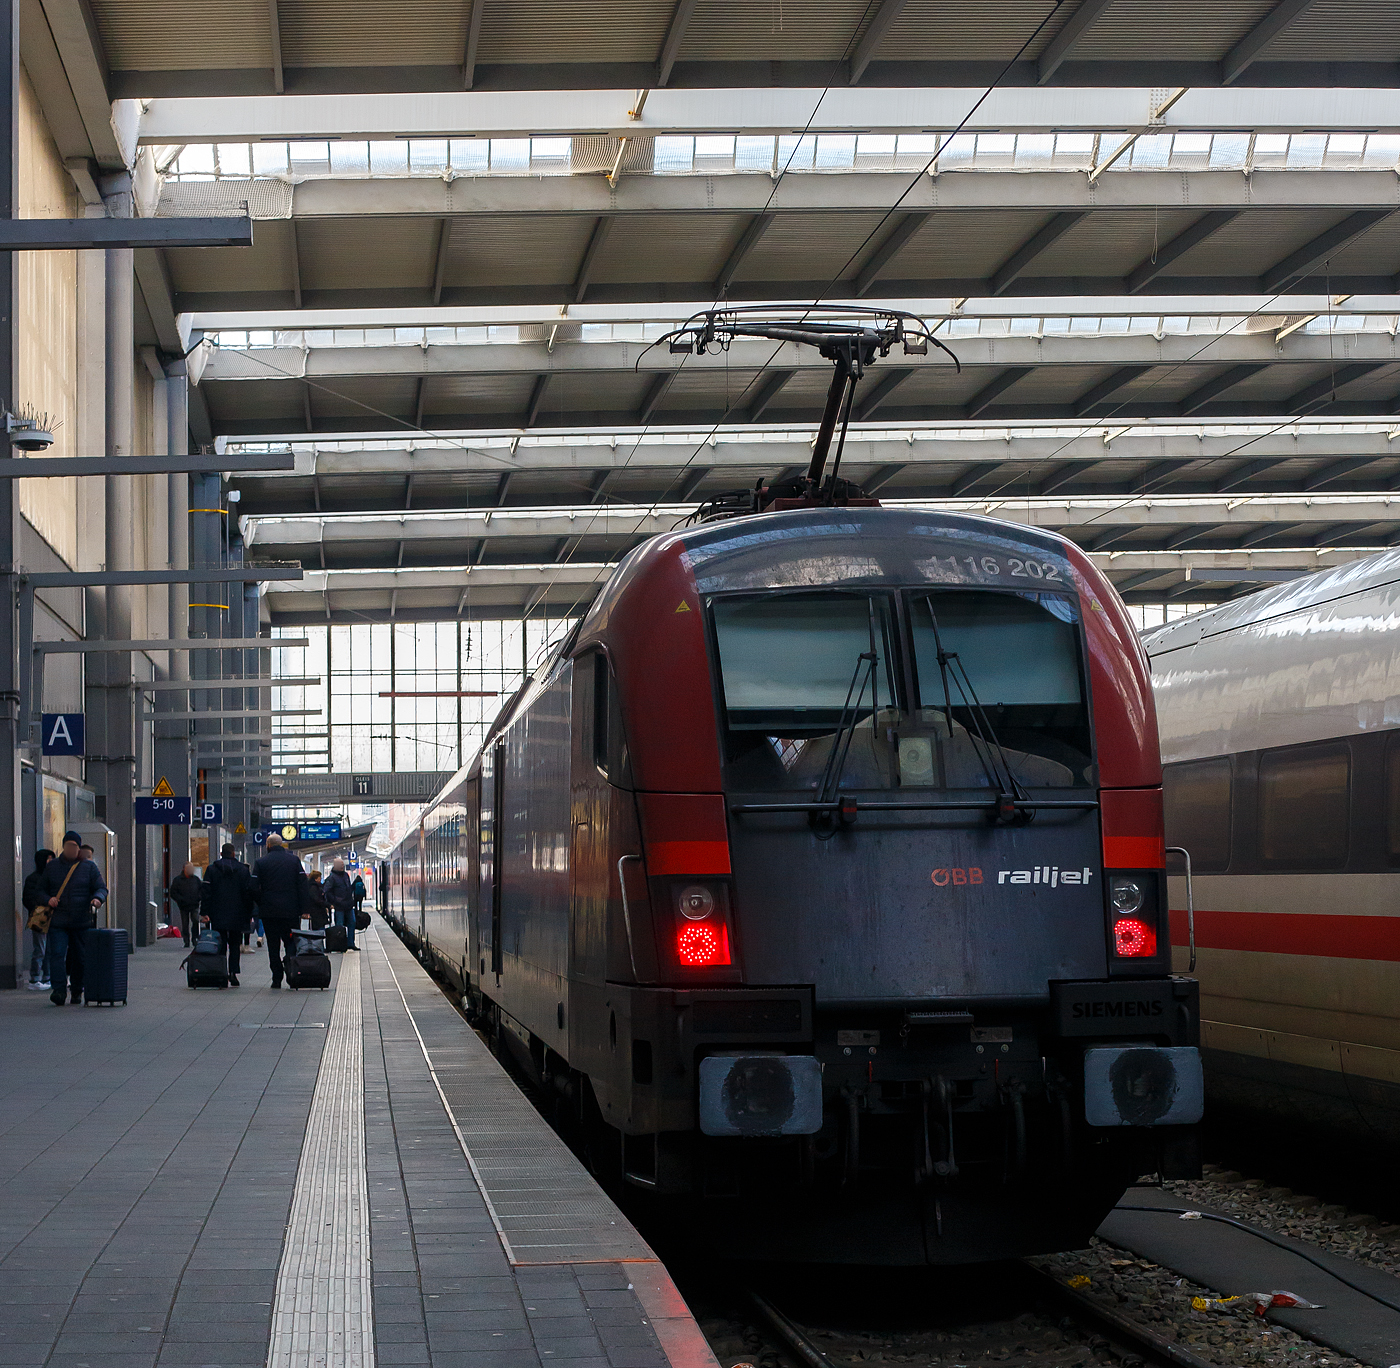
x: 845, y: 732
x: 1003, y: 779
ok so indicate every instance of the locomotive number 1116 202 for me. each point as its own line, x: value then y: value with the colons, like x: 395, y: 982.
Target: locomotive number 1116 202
x: 1017, y: 567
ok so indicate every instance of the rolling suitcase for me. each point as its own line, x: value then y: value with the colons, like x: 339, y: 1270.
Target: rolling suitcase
x: 206, y: 966
x: 309, y: 969
x: 104, y: 974
x: 336, y: 939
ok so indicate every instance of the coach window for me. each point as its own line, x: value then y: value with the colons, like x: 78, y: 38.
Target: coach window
x: 1196, y: 799
x: 1304, y: 807
x: 1392, y: 797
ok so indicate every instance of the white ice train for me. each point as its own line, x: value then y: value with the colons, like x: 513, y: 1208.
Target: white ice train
x: 1280, y: 728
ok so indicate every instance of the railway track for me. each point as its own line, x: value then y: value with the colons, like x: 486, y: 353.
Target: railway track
x: 1013, y: 1314
x: 1086, y: 1330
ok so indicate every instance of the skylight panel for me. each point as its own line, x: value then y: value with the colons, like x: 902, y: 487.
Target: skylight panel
x: 752, y: 153
x: 510, y: 155
x: 671, y: 156
x: 350, y: 158
x: 235, y: 159
x: 427, y: 156
x: 388, y: 158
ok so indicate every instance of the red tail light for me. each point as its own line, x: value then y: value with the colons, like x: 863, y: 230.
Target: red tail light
x: 1134, y: 938
x: 703, y: 945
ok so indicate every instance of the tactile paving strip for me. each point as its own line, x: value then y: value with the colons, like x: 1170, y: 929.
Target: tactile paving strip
x: 322, y: 1313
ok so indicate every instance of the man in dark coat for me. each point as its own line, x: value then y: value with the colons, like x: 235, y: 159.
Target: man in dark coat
x: 185, y: 891
x: 74, y: 888
x: 341, y: 897
x: 228, y: 903
x: 281, y: 893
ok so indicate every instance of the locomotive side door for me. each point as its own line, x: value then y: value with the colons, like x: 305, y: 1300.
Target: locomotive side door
x: 588, y: 824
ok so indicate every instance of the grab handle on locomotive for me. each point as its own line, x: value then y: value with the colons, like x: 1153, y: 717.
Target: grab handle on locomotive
x: 626, y: 908
x: 1190, y: 906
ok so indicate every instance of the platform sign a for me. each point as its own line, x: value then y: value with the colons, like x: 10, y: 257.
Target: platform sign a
x: 171, y: 811
x: 62, y: 733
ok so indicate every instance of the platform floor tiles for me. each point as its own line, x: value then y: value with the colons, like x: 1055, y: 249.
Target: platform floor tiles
x: 219, y: 1179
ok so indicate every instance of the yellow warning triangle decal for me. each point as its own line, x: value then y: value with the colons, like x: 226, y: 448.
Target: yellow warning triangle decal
x: 683, y: 607
x: 163, y: 789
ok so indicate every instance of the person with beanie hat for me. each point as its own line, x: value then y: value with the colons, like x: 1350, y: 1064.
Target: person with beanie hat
x: 73, y: 889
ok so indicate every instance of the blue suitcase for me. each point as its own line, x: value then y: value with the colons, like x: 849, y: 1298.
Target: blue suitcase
x: 104, y: 973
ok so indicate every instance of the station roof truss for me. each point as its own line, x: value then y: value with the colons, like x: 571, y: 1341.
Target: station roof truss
x: 448, y: 159
x: 247, y: 47
x: 1244, y: 371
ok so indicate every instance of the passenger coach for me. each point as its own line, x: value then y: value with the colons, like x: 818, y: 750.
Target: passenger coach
x: 1280, y: 718
x: 819, y: 875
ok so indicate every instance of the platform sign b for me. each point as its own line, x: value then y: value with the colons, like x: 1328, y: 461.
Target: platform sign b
x: 62, y: 733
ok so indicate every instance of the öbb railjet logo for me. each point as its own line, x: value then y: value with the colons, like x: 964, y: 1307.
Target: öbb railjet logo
x: 1051, y: 876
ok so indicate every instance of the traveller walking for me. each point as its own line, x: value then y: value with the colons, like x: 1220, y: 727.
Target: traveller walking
x: 34, y: 901
x: 316, y: 907
x: 228, y: 903
x: 340, y: 894
x: 75, y: 889
x: 185, y: 892
x: 358, y: 888
x: 280, y: 888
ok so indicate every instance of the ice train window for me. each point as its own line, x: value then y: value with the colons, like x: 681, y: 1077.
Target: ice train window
x: 1196, y: 799
x: 1304, y: 807
x: 1009, y: 663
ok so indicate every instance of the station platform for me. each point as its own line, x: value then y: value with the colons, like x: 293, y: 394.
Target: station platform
x: 296, y: 1179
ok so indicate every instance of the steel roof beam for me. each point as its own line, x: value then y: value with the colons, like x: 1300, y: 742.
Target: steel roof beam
x: 861, y: 191
x: 1313, y: 253
x: 1060, y: 46
x: 1027, y: 252
x: 762, y: 108
x: 894, y: 243
x: 1146, y: 272
x: 994, y: 389
x: 1242, y: 474
x: 1143, y: 350
x: 596, y: 242
x: 748, y: 240
x: 1248, y: 49
x: 1106, y: 389
x: 671, y: 44
x: 766, y: 393
x: 886, y: 384
x: 1213, y: 389
x: 1312, y: 396
x: 880, y: 24
x: 654, y: 395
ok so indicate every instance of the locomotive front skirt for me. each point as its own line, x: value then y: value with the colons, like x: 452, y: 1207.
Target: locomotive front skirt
x: 819, y: 875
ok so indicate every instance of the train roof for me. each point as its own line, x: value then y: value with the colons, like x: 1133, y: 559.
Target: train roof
x: 1308, y: 591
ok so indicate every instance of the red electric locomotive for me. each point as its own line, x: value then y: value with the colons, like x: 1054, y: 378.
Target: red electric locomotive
x: 820, y: 874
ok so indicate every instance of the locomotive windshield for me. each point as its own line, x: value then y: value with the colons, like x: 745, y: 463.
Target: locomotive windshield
x: 799, y: 669
x: 1012, y: 659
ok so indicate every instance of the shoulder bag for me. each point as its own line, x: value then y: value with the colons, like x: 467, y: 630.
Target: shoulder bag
x: 42, y: 915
